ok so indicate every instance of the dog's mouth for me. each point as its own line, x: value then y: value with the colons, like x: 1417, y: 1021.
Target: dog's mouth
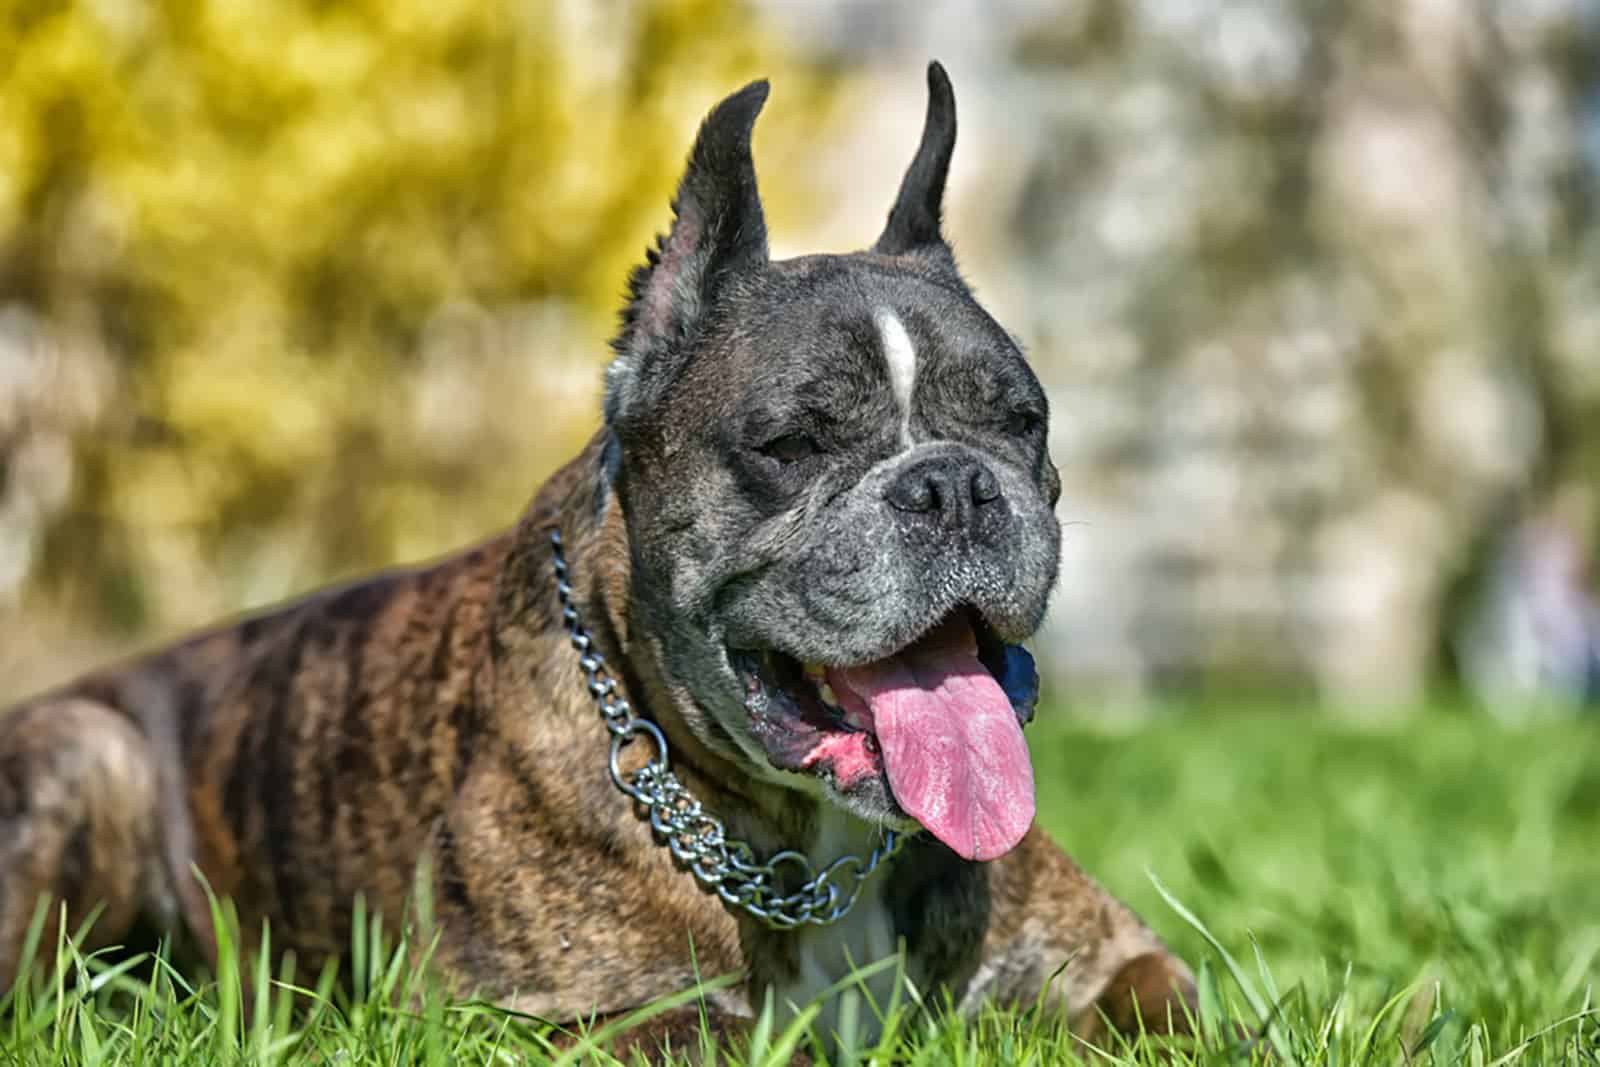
x: 940, y: 721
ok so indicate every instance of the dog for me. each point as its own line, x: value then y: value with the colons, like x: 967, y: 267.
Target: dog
x: 741, y: 693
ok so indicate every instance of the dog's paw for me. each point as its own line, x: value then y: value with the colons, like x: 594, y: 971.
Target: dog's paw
x: 1154, y: 994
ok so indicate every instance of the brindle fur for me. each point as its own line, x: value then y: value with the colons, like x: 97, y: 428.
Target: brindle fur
x: 323, y: 749
x: 434, y: 722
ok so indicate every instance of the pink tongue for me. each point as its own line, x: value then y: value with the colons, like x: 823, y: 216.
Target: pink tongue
x: 951, y: 742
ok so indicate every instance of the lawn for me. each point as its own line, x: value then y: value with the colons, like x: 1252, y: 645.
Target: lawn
x: 1427, y: 893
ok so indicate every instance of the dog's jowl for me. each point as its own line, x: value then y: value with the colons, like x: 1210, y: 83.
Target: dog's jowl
x: 777, y: 605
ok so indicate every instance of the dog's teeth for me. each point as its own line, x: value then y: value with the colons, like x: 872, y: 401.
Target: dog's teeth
x: 814, y: 671
x: 828, y: 696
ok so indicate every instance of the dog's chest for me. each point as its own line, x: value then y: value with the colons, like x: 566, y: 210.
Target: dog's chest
x: 825, y: 955
x: 818, y: 958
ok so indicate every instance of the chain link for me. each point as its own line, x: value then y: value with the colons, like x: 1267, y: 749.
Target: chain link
x: 698, y: 839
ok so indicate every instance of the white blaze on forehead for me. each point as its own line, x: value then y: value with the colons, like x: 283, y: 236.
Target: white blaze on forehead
x: 901, y: 357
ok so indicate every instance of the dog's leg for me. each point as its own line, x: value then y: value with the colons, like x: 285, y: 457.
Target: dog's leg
x: 78, y: 823
x: 1053, y: 931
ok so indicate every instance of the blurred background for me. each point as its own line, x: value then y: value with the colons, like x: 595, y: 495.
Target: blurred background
x: 292, y: 291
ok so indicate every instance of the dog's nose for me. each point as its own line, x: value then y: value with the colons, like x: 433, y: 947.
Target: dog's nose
x: 949, y: 489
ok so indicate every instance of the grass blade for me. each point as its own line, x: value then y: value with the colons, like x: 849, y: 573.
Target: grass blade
x: 1265, y: 1014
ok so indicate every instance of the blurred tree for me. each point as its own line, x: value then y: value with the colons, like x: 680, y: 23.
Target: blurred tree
x: 292, y: 289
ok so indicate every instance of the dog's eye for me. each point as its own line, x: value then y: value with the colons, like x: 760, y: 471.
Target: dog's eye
x: 1023, y: 423
x: 790, y: 448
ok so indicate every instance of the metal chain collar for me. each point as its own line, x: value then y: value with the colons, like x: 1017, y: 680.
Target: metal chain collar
x: 697, y: 838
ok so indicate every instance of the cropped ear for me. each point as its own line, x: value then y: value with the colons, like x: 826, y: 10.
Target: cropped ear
x: 718, y: 229
x: 914, y: 220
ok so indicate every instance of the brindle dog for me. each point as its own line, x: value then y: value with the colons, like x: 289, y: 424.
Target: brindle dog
x: 807, y: 541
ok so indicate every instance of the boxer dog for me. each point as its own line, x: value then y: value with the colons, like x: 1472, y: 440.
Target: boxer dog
x: 742, y: 692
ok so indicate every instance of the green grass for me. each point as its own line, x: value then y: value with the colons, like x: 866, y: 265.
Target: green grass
x: 1427, y: 893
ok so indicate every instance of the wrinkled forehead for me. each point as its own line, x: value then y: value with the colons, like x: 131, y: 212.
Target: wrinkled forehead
x: 859, y: 324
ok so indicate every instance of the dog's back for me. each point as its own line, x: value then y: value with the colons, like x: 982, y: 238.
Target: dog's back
x: 295, y: 758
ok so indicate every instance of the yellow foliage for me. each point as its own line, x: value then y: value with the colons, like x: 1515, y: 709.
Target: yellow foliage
x: 347, y: 267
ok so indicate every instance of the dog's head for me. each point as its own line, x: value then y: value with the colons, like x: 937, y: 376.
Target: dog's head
x: 835, y: 482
